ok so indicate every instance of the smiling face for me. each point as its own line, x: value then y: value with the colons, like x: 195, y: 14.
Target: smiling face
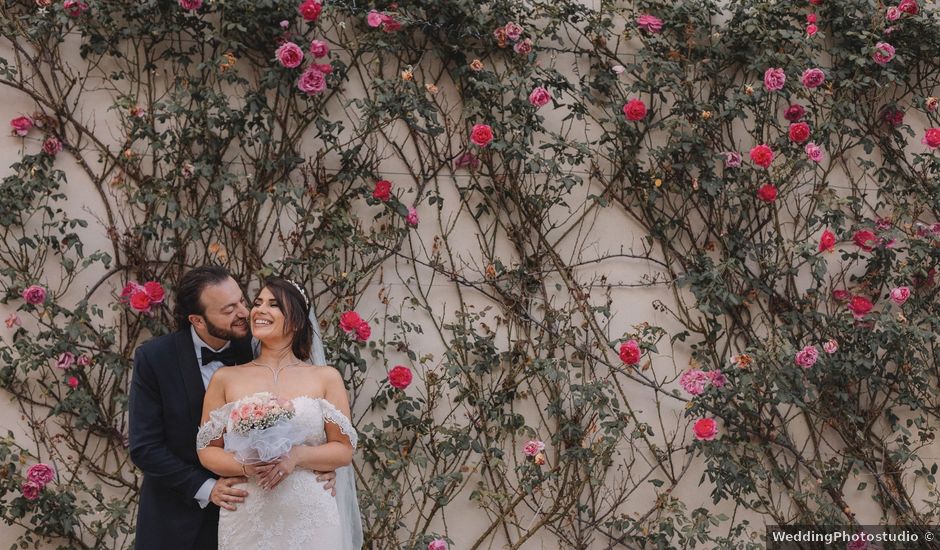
x: 267, y: 318
x: 224, y: 313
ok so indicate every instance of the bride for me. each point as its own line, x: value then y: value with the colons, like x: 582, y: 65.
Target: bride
x: 286, y: 506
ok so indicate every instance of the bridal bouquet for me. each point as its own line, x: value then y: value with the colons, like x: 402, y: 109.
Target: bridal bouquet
x: 261, y: 429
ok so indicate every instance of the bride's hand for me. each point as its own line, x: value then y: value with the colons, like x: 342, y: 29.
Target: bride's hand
x: 277, y: 471
x: 255, y: 471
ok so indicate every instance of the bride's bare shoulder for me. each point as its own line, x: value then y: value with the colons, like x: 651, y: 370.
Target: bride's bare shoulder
x: 326, y: 373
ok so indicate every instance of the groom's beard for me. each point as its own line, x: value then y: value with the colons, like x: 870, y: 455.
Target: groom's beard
x: 238, y: 329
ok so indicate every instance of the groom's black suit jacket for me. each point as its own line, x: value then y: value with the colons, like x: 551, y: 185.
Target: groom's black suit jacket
x: 165, y: 409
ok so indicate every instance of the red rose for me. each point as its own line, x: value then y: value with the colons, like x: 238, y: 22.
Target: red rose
x: 630, y: 352
x: 799, y: 132
x: 841, y: 295
x: 827, y: 242
x: 634, y: 110
x: 363, y: 332
x: 350, y: 321
x: 382, y: 191
x: 399, y: 377
x: 52, y: 146
x: 860, y: 305
x: 481, y: 135
x: 154, y: 291
x: 932, y: 138
x: 794, y: 112
x: 705, y: 429
x: 767, y: 192
x: 762, y: 156
x: 909, y: 6
x: 310, y: 10
x: 865, y: 239
x: 140, y: 301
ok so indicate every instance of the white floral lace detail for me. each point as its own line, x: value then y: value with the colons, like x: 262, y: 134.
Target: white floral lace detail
x: 214, y: 427
x: 335, y: 416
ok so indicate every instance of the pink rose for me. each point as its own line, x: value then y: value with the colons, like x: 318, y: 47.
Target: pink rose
x: 412, y: 217
x: 539, y: 97
x: 40, y: 474
x: 30, y: 490
x: 634, y: 110
x: 893, y: 116
x: 74, y: 8
x: 400, y: 377
x: 513, y: 31
x: 814, y: 152
x: 289, y: 55
x: 807, y: 357
x: 909, y: 7
x: 931, y: 138
x: 319, y: 48
x: 533, y: 447
x: 481, y: 135
x: 732, y: 159
x: 859, y: 306
x: 350, y: 321
x: 794, y: 112
x: 811, y: 18
x: 438, y: 544
x: 312, y: 81
x: 382, y: 191
x: 865, y: 239
x: 774, y: 79
x: 813, y: 78
x: 717, y: 378
x: 21, y: 125
x: 799, y: 132
x: 363, y: 332
x: 52, y: 146
x: 618, y: 69
x: 72, y: 382
x: 705, y: 429
x: 523, y: 47
x: 13, y: 320
x: 649, y: 23
x: 883, y: 53
x: 900, y: 295
x: 827, y: 242
x: 767, y: 192
x: 65, y: 360
x: 893, y: 14
x: 310, y: 10
x: 83, y: 360
x: 811, y: 29
x: 694, y: 381
x: 630, y: 352
x: 762, y: 156
x: 841, y: 295
x: 467, y: 160
x: 830, y: 346
x: 34, y: 295
x: 191, y: 5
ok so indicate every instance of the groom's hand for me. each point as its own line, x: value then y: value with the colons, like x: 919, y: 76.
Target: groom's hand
x: 225, y: 496
x: 330, y: 479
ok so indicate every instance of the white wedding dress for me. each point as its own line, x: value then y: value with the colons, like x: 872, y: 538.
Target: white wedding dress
x: 297, y: 514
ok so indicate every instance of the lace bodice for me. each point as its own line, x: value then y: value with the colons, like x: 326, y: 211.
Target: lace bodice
x: 311, y: 412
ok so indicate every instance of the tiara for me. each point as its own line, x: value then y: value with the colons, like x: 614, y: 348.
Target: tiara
x: 301, y: 291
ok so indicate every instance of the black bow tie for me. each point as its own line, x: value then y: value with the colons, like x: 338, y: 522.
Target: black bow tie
x: 226, y: 356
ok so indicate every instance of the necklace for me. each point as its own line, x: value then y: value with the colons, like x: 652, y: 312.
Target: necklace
x: 277, y: 372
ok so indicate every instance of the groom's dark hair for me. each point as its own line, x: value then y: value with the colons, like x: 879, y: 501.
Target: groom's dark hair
x: 189, y: 292
x: 294, y: 307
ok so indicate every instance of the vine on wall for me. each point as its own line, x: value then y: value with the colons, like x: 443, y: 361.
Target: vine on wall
x: 778, y: 160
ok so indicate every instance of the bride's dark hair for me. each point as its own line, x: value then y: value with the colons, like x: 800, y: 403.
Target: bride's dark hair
x: 294, y: 307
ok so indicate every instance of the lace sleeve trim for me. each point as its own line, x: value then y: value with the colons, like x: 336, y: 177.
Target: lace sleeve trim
x: 214, y: 427
x: 332, y: 414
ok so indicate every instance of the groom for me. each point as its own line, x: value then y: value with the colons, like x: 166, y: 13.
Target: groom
x: 169, y: 382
